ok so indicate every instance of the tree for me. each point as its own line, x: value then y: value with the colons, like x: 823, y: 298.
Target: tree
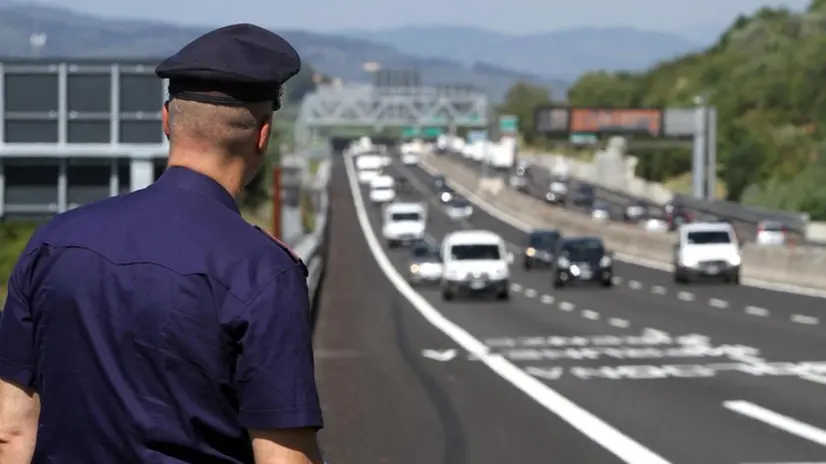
x: 521, y: 101
x: 764, y: 78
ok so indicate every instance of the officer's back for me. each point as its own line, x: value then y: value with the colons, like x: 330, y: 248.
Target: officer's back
x: 159, y: 326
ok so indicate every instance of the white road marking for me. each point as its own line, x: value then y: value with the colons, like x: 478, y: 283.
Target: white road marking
x: 618, y: 322
x: 635, y: 284
x: 718, y: 303
x: 530, y: 293
x: 616, y: 280
x: 685, y: 296
x: 658, y: 290
x: 440, y: 355
x: 566, y: 306
x: 816, y: 378
x: 547, y: 299
x: 516, y: 288
x: 801, y: 319
x: 622, y: 446
x: 523, y: 226
x: 757, y: 311
x: 785, y: 423
x: 588, y: 314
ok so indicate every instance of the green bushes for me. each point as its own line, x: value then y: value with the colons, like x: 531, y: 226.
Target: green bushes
x: 13, y: 239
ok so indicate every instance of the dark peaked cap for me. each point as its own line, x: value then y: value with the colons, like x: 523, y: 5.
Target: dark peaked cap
x: 233, y: 65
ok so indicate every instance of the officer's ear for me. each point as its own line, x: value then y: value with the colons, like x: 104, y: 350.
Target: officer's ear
x: 165, y: 118
x: 264, y: 133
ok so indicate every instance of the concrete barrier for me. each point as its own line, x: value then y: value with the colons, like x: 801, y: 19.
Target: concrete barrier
x: 800, y: 267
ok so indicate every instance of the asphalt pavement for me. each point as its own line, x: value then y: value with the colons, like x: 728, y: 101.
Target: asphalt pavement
x: 664, y: 373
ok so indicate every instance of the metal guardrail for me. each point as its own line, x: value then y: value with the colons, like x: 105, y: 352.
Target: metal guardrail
x: 798, y: 222
x: 312, y: 248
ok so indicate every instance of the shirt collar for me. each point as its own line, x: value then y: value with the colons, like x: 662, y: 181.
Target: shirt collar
x: 182, y: 178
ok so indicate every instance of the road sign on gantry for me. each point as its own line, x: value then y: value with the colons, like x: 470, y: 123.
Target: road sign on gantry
x: 508, y: 124
x: 560, y: 121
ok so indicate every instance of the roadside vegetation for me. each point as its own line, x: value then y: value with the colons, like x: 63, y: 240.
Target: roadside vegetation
x: 764, y: 75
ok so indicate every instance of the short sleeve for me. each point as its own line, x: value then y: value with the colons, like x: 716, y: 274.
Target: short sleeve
x: 275, y: 372
x: 17, y: 362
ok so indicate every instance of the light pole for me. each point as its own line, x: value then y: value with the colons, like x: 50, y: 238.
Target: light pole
x: 698, y: 160
x: 37, y: 41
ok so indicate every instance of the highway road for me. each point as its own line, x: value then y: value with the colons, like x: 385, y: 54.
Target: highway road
x: 645, y: 372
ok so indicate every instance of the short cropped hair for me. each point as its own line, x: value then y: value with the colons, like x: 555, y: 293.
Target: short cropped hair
x: 229, y: 129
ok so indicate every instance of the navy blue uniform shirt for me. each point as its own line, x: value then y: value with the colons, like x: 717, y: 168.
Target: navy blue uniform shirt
x: 158, y: 327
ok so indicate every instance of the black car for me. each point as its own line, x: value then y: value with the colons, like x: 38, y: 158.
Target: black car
x: 446, y: 194
x: 540, y: 249
x: 584, y: 196
x: 582, y: 259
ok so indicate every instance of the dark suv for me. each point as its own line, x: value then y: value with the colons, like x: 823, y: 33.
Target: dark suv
x: 582, y: 259
x: 540, y: 249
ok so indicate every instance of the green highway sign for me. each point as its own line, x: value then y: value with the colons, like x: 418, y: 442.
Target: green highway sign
x: 508, y: 124
x: 410, y: 132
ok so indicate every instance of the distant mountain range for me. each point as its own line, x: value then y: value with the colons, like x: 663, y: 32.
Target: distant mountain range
x: 489, y: 61
x: 563, y: 54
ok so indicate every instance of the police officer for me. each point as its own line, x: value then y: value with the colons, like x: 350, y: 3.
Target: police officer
x: 159, y: 327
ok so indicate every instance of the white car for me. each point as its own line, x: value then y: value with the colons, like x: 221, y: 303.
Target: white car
x: 410, y: 159
x: 403, y: 223
x: 707, y: 250
x: 770, y: 233
x: 459, y: 209
x: 475, y: 262
x: 382, y: 189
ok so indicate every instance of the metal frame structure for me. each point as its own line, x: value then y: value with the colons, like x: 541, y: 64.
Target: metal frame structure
x: 81, y: 134
x: 379, y: 107
x: 698, y: 123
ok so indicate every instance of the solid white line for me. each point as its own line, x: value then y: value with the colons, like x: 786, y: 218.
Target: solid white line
x: 591, y: 426
x: 525, y: 227
x: 785, y: 423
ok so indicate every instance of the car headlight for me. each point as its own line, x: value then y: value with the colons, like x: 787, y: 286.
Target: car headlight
x: 605, y: 261
x: 563, y: 262
x: 689, y: 262
x: 414, y: 268
x: 446, y: 196
x: 735, y: 260
x: 530, y: 251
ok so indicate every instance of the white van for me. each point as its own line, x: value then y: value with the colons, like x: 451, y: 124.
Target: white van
x: 368, y: 167
x: 475, y: 262
x: 382, y: 189
x: 403, y: 223
x: 707, y: 250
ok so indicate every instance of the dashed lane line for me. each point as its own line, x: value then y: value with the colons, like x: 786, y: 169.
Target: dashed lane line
x: 616, y: 322
x: 588, y: 314
x: 717, y: 303
x: 808, y: 320
x: 757, y: 311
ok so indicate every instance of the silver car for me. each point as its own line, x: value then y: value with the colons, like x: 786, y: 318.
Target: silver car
x: 425, y: 267
x: 459, y: 209
x: 770, y: 233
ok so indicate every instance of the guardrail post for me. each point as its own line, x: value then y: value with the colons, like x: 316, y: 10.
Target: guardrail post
x: 276, y: 202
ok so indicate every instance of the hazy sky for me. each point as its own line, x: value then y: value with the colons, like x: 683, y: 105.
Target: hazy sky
x: 515, y: 16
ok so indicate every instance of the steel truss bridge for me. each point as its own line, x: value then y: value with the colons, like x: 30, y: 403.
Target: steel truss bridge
x: 381, y: 107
